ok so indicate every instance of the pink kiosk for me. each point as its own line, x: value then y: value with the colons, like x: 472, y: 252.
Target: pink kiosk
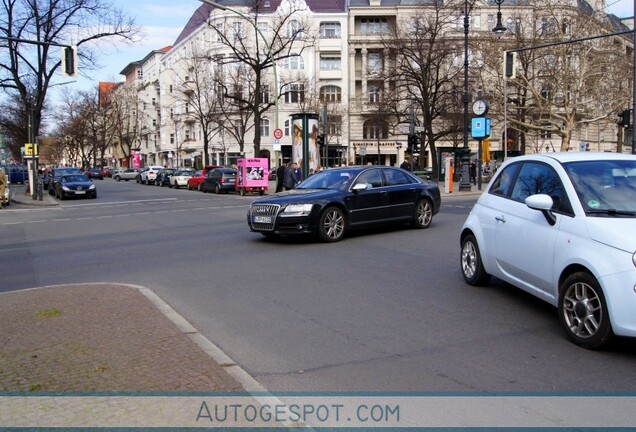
x: 252, y: 176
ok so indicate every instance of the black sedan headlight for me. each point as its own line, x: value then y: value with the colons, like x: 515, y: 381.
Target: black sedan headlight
x: 297, y: 210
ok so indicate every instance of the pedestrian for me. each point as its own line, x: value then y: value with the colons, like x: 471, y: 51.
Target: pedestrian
x: 3, y: 186
x: 289, y: 178
x: 280, y: 174
x: 298, y: 171
x: 406, y: 165
x: 473, y: 172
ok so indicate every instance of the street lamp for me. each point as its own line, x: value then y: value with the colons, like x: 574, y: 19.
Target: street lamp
x: 269, y: 52
x: 465, y: 153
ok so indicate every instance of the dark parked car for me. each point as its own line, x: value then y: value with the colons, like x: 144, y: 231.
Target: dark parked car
x: 163, y: 177
x: 331, y: 202
x: 220, y: 180
x: 75, y: 185
x: 95, y: 173
x: 57, y: 173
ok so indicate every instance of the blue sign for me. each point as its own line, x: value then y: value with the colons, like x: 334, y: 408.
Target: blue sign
x: 480, y: 127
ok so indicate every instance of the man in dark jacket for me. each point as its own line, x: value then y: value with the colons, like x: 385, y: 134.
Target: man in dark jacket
x: 280, y: 174
x: 290, y: 179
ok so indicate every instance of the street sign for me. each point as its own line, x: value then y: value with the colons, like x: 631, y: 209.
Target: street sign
x: 278, y: 133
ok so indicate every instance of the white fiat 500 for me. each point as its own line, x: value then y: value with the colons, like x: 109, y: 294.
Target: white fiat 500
x: 561, y: 226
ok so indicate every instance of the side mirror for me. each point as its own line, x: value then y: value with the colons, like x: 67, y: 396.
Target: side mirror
x: 359, y: 187
x: 543, y: 203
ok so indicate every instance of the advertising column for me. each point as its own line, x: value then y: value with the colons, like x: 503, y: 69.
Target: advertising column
x: 305, y: 150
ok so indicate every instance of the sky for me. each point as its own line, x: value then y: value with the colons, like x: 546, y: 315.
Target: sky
x: 162, y: 22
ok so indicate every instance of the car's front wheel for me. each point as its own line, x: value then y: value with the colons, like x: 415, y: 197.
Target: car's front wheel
x: 332, y: 223
x: 117, y: 178
x: 583, y: 311
x: 471, y: 264
x: 217, y: 189
x: 423, y: 216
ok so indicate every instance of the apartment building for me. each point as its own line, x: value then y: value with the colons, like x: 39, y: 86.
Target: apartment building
x: 338, y: 65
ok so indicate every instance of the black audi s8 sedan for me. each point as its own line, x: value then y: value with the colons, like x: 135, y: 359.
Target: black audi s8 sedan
x: 334, y: 201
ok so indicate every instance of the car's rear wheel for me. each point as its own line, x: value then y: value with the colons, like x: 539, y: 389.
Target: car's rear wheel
x: 423, y: 214
x: 200, y: 187
x: 332, y: 224
x: 472, y: 266
x: 583, y: 311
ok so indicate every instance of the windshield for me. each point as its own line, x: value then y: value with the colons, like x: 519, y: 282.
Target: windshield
x: 605, y: 187
x: 328, y: 179
x: 74, y: 178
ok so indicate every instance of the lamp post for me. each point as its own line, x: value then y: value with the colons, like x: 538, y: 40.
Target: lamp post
x: 465, y: 153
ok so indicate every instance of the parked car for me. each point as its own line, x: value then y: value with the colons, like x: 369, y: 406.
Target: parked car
x: 95, y: 173
x: 331, y: 202
x: 149, y: 174
x: 75, y: 185
x: 126, y: 174
x: 180, y: 178
x: 107, y: 171
x: 163, y: 177
x: 561, y: 227
x: 220, y: 180
x: 196, y: 182
x: 56, y: 174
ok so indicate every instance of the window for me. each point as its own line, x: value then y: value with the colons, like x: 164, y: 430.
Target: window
x: 171, y: 138
x: 264, y: 93
x: 375, y: 129
x: 287, y: 127
x: 264, y: 127
x: 374, y: 93
x: 374, y: 25
x: 548, y: 26
x: 294, y: 29
x: 330, y: 93
x: 238, y: 127
x: 373, y: 178
x: 537, y: 178
x: 295, y: 93
x: 295, y: 62
x: 219, y: 32
x: 237, y: 30
x: 502, y: 183
x: 374, y: 63
x: 263, y: 29
x: 547, y: 132
x: 395, y: 177
x: 330, y: 30
x: 140, y: 74
x: 330, y: 62
x: 334, y: 125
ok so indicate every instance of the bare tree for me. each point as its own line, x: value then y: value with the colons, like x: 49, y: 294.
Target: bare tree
x: 257, y: 51
x: 562, y: 87
x: 124, y: 115
x: 27, y: 69
x: 425, y: 72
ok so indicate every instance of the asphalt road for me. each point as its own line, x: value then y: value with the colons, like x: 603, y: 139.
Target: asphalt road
x: 386, y: 310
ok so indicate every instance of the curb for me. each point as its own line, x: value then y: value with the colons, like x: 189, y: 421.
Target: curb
x: 24, y: 199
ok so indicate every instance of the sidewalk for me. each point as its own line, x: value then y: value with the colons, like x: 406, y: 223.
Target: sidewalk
x: 105, y: 337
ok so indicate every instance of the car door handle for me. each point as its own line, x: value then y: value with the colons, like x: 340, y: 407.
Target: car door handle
x: 501, y: 218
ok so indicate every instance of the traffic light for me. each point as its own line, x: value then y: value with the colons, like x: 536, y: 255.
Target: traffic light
x: 416, y: 143
x: 69, y: 61
x: 510, y: 65
x: 411, y: 142
x: 320, y: 140
x: 624, y: 118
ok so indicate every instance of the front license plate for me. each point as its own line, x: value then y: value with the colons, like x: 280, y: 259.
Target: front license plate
x: 80, y: 192
x: 263, y: 219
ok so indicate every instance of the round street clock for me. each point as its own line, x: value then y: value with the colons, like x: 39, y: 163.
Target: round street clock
x: 480, y: 107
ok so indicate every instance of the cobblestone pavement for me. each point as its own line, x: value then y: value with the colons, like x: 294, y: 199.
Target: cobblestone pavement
x: 97, y: 338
